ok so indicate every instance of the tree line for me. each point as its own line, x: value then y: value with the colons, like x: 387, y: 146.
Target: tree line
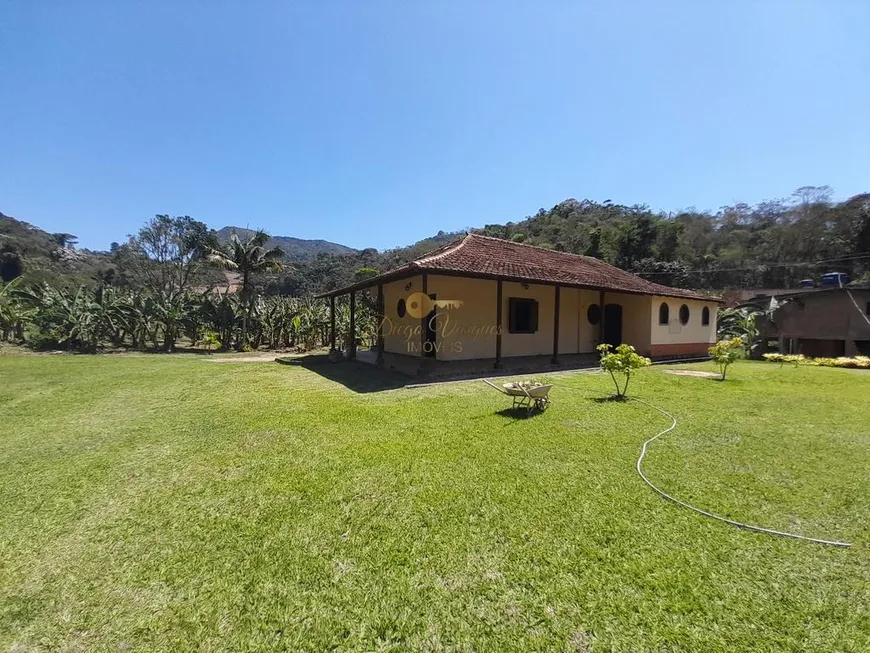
x: 773, y: 244
x: 174, y: 280
x: 88, y: 318
x: 163, y: 288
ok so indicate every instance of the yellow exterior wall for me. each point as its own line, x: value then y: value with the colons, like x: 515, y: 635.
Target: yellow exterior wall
x: 635, y: 319
x: 400, y: 334
x: 528, y: 344
x: 468, y: 332
x: 461, y: 333
x: 587, y: 334
x: 569, y: 307
x: 676, y: 333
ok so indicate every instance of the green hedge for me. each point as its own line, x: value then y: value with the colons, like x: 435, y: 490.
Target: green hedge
x: 859, y: 362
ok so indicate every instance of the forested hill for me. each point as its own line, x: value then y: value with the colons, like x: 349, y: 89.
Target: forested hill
x: 774, y: 244
x: 295, y: 249
x: 25, y: 248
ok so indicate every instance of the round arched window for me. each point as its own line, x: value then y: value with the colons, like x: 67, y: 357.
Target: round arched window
x: 664, y: 314
x: 684, y: 314
x: 401, y: 309
x: 593, y: 314
x: 705, y: 316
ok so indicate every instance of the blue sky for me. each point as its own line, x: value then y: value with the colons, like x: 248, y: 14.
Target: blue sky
x: 377, y: 124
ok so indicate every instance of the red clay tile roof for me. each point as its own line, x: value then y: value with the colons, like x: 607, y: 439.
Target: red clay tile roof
x: 483, y: 256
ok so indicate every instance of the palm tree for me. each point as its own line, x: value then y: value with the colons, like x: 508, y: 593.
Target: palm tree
x: 247, y: 257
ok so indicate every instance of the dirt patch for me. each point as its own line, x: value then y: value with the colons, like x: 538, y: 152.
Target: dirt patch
x: 706, y: 375
x: 255, y: 358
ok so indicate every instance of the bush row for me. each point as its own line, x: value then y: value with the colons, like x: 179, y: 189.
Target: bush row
x: 860, y: 362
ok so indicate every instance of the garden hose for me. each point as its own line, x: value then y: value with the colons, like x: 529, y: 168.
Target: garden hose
x: 701, y: 511
x: 749, y: 527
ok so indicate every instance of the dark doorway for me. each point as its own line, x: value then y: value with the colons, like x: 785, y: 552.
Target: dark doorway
x: 613, y: 324
x: 816, y: 348
x: 429, y: 350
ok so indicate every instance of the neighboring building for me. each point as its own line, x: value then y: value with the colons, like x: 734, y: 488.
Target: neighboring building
x: 756, y: 296
x: 824, y: 322
x: 523, y: 301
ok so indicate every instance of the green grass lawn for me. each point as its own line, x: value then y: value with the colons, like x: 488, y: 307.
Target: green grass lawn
x: 173, y: 503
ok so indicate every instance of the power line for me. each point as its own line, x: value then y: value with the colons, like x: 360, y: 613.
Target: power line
x: 857, y: 308
x: 842, y: 259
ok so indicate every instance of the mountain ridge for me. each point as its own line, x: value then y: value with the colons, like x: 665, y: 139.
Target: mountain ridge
x: 774, y: 244
x: 298, y: 249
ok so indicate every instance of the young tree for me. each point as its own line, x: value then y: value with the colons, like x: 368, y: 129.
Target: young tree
x: 623, y: 360
x: 171, y: 251
x: 247, y: 257
x: 726, y: 352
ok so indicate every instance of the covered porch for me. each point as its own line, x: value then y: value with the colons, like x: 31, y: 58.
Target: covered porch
x: 434, y: 369
x: 483, y: 304
x: 427, y: 353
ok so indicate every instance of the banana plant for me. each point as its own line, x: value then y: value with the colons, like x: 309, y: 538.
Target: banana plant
x: 15, y: 310
x: 223, y: 313
x: 86, y: 318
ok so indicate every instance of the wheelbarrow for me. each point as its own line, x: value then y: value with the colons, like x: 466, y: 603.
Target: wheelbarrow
x: 525, y: 394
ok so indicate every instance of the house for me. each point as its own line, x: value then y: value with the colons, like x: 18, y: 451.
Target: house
x: 491, y: 302
x: 826, y: 322
x: 756, y: 296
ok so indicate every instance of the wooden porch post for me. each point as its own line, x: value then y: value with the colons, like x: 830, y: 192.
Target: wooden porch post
x: 498, y: 302
x: 380, y: 325
x: 601, y: 321
x: 424, y: 319
x: 555, y: 358
x: 332, y: 324
x: 352, y: 335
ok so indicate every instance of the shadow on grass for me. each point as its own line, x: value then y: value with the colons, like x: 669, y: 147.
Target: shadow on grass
x: 518, y: 412
x: 727, y: 381
x: 155, y: 351
x: 356, y: 376
x: 190, y: 350
x: 611, y: 398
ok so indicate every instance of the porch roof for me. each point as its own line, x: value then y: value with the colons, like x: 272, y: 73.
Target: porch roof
x: 484, y: 257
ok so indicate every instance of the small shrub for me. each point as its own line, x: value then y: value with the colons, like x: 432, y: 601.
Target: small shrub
x: 798, y: 359
x: 210, y: 339
x: 856, y: 362
x: 43, y: 339
x: 726, y: 352
x: 623, y: 360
